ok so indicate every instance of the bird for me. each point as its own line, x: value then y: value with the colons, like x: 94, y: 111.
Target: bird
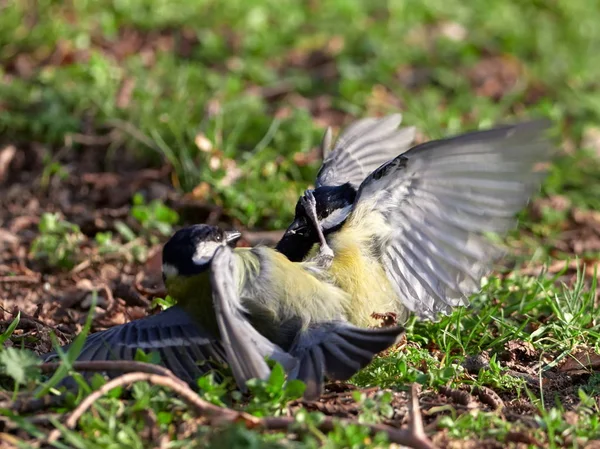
x: 411, y: 236
x: 362, y: 147
x: 238, y: 306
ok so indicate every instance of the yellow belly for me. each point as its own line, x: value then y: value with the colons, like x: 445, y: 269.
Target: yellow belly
x: 362, y: 276
x: 284, y: 290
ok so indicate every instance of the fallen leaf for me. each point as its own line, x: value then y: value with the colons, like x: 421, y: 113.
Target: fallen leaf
x: 201, y: 191
x: 125, y: 93
x: 495, y: 76
x: 581, y: 363
x: 519, y: 349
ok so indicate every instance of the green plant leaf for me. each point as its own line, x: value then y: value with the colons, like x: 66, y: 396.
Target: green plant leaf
x: 20, y: 364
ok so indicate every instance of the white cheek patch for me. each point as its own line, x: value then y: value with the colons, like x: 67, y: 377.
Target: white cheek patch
x: 336, y: 217
x: 170, y: 270
x: 204, y: 252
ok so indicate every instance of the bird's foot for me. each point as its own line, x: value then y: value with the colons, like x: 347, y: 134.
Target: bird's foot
x: 309, y: 203
x: 324, y: 257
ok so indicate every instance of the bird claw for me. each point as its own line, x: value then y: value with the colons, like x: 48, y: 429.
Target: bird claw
x: 309, y: 203
x: 324, y: 257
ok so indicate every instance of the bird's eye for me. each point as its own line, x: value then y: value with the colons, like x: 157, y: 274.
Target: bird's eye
x: 219, y: 237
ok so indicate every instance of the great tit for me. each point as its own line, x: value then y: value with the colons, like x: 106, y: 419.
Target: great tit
x: 412, y: 236
x: 238, y: 306
x: 361, y: 148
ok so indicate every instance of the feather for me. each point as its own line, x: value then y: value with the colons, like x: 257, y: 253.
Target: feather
x: 438, y: 200
x: 245, y: 347
x: 361, y: 148
x: 339, y: 350
x: 173, y: 334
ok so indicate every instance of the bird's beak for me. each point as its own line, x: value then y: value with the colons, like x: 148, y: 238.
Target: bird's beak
x: 298, y: 226
x: 231, y: 237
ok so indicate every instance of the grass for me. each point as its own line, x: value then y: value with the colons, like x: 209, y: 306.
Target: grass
x: 234, y: 96
x: 210, y: 89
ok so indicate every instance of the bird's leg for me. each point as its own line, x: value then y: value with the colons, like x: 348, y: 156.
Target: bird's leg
x: 325, y: 255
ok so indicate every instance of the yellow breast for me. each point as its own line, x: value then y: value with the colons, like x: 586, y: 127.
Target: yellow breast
x: 194, y: 295
x: 284, y: 290
x: 361, y: 275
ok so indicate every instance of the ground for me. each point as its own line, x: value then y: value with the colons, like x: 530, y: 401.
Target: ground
x: 120, y: 122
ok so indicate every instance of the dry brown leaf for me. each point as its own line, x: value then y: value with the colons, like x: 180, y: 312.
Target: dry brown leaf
x: 519, y: 349
x: 581, y: 362
x: 201, y: 191
x: 495, y: 76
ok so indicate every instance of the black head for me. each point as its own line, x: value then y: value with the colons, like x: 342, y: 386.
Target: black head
x: 334, y: 204
x: 190, y: 250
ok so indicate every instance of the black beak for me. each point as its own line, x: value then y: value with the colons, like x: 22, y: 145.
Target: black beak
x: 231, y: 237
x: 297, y: 241
x: 298, y: 227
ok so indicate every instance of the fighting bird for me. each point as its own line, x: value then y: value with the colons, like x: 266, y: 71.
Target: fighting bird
x: 240, y: 306
x: 410, y: 236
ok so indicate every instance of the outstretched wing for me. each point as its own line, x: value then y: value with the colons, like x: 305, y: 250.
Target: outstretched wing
x: 245, y: 347
x: 338, y: 350
x: 361, y: 148
x: 183, y: 347
x: 439, y: 199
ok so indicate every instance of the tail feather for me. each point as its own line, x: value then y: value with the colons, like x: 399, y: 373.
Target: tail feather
x: 338, y: 350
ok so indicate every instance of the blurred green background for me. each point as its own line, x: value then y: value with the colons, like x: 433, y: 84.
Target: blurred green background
x: 235, y: 94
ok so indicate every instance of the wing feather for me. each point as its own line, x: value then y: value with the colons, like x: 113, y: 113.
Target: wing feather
x: 180, y: 343
x: 362, y: 147
x: 439, y: 200
x: 245, y: 347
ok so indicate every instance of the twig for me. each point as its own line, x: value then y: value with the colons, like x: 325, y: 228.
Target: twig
x: 420, y: 439
x: 178, y: 386
x: 20, y: 279
x: 27, y: 321
x: 29, y: 405
x: 413, y: 437
x: 110, y: 301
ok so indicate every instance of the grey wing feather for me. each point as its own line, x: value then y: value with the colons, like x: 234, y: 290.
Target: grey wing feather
x: 183, y: 347
x: 440, y: 198
x: 245, y: 347
x: 361, y: 148
x: 338, y: 350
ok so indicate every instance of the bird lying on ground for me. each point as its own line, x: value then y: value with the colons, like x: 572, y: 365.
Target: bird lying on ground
x: 239, y: 306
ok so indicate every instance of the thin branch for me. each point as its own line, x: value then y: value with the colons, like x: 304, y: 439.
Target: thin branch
x: 178, y: 386
x: 415, y: 424
x: 21, y: 279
